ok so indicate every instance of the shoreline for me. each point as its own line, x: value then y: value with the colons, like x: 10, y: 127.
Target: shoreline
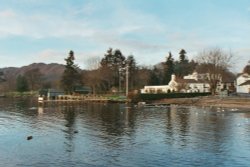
x: 209, y: 101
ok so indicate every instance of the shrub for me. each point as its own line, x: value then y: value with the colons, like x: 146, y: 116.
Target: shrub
x: 145, y: 97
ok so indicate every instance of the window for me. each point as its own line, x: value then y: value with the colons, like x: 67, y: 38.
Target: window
x: 159, y: 91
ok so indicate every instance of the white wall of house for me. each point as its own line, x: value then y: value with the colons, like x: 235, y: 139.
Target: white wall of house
x: 198, y: 87
x: 157, y: 89
x: 243, y: 89
x: 240, y: 80
x: 171, y: 87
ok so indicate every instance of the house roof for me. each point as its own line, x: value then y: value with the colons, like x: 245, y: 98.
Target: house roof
x: 244, y: 75
x: 82, y: 89
x: 245, y: 83
x: 190, y: 81
x: 228, y: 78
x: 179, y: 80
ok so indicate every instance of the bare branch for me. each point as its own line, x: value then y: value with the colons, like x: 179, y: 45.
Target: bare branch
x: 214, y: 62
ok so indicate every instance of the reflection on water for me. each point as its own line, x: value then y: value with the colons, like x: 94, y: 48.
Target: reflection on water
x: 88, y: 134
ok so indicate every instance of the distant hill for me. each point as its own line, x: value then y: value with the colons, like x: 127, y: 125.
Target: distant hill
x: 51, y: 72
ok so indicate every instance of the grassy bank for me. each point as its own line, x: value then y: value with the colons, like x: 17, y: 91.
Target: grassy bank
x: 21, y: 94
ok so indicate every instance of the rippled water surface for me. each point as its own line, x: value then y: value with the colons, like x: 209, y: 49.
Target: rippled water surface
x: 111, y: 135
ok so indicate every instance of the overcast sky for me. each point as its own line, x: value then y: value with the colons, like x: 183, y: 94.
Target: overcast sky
x: 45, y: 30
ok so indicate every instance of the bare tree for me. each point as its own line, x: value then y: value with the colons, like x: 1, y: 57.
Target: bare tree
x: 34, y: 78
x: 93, y: 79
x: 214, y: 62
x: 10, y: 83
x: 143, y: 77
x: 93, y: 63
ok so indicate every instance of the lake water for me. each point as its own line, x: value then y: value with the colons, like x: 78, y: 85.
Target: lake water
x: 113, y: 135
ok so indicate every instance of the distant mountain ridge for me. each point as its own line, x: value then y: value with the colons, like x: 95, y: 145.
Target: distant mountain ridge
x: 51, y: 72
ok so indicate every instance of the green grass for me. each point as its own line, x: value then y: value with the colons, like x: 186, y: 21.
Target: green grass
x: 22, y: 94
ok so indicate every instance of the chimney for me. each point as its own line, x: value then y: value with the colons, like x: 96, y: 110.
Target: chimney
x: 173, y: 77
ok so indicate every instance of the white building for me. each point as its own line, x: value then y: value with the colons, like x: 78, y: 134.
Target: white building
x: 197, y: 76
x: 188, y: 85
x: 243, y: 83
x: 156, y: 89
x: 243, y: 80
x: 197, y: 82
x: 201, y: 86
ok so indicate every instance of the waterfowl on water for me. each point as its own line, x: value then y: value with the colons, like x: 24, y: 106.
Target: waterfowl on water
x: 29, y: 137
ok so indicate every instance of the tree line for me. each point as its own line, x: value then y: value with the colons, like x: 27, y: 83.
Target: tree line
x: 109, y: 74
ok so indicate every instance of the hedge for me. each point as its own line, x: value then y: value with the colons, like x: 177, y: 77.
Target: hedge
x: 159, y: 96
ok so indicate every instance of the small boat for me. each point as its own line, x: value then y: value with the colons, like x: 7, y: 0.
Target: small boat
x: 40, y: 99
x: 153, y: 105
x: 2, y: 95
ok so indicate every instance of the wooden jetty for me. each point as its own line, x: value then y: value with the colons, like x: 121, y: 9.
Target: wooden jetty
x: 81, y: 98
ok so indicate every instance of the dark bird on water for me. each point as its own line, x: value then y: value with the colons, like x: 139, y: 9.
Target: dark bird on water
x: 29, y: 137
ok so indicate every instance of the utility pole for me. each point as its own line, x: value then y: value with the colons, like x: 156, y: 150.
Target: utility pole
x: 120, y: 70
x: 127, y: 75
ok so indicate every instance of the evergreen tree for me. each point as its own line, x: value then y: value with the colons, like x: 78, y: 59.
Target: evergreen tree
x: 113, y: 62
x: 132, y: 71
x: 71, y: 76
x: 169, y: 68
x: 183, y: 58
x: 154, y: 77
x: 183, y: 66
x: 21, y: 84
x: 191, y: 66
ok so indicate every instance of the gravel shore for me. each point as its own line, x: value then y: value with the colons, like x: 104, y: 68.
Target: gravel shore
x: 211, y: 101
